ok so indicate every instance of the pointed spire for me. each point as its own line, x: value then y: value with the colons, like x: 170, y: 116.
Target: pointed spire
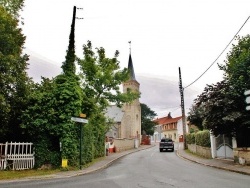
x: 130, y: 65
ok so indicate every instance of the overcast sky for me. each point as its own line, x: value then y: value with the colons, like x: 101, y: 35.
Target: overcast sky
x: 165, y: 34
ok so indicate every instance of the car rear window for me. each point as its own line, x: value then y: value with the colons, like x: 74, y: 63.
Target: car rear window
x: 166, y: 140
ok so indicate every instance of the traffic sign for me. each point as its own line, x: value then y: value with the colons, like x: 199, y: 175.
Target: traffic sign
x: 247, y: 92
x: 248, y: 99
x: 82, y: 115
x: 80, y: 120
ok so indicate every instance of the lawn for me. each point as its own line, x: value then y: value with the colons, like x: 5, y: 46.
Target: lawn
x: 17, y: 174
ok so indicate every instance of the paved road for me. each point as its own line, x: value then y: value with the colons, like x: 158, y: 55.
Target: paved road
x: 146, y: 169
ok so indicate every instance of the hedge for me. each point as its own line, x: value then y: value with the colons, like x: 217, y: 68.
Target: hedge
x: 201, y: 138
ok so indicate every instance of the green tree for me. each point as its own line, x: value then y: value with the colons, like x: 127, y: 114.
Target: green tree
x: 55, y: 102
x: 147, y: 116
x: 14, y: 82
x: 215, y: 109
x: 221, y: 107
x: 195, y: 116
x: 48, y: 120
x: 237, y: 72
x: 102, y: 77
x: 69, y: 65
x: 12, y: 6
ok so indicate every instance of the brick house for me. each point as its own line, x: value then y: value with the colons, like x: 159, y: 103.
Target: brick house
x: 171, y: 127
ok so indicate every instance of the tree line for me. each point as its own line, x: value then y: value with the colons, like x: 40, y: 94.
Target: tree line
x: 41, y: 112
x: 221, y: 107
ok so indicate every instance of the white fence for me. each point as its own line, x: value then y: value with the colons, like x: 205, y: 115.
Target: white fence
x: 16, y: 156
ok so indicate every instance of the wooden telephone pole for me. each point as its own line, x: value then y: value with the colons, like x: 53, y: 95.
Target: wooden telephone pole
x: 182, y: 110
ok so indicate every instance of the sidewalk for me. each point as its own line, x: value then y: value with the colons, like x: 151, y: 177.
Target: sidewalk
x: 108, y: 160
x: 223, y: 164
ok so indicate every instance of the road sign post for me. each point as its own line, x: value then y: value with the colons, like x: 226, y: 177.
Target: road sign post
x: 247, y: 94
x: 80, y: 120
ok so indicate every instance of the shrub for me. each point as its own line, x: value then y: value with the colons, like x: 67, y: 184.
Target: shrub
x: 190, y: 138
x: 203, y: 138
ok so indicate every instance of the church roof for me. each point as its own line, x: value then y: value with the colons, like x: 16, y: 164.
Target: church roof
x: 131, y: 69
x: 115, y: 113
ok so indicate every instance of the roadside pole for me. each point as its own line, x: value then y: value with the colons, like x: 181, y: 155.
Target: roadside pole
x: 80, y: 147
x: 183, y: 111
x: 80, y: 121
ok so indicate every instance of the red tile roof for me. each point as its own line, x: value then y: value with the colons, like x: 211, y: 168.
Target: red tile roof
x: 166, y: 120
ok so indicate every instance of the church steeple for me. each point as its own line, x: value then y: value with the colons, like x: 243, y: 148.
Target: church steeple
x: 130, y: 65
x: 131, y: 69
x: 131, y: 121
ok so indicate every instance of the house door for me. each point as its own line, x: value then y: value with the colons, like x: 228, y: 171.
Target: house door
x: 224, y: 147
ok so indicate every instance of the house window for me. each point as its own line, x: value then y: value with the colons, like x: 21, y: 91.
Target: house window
x: 174, y: 135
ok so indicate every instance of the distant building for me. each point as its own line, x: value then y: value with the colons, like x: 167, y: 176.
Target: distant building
x: 128, y: 118
x: 169, y: 127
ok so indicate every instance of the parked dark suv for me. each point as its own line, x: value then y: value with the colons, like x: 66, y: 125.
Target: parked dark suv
x: 166, y: 144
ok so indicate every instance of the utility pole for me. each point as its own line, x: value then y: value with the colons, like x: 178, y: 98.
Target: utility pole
x: 182, y: 110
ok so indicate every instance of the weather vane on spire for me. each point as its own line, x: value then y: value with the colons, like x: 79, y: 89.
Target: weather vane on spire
x: 129, y: 46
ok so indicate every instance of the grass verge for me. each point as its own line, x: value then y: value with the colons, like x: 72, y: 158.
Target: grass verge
x: 18, y: 174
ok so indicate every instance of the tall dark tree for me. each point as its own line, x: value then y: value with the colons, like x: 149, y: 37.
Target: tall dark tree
x: 221, y: 107
x: 215, y: 109
x: 62, y: 98
x: 237, y: 73
x: 147, y: 116
x: 69, y: 64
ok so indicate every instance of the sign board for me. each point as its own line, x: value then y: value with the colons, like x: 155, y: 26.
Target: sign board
x: 248, y: 99
x: 80, y: 120
x: 247, y: 92
x: 82, y: 115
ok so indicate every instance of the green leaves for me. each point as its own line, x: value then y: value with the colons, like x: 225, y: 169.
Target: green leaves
x: 221, y: 107
x: 147, y: 116
x: 101, y: 77
x: 14, y: 82
x: 12, y: 6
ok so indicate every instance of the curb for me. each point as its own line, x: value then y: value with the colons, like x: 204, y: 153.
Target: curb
x: 210, y: 165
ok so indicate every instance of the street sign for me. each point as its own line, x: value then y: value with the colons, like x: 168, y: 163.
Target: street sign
x: 248, y: 99
x: 247, y: 92
x: 80, y: 120
x: 82, y: 115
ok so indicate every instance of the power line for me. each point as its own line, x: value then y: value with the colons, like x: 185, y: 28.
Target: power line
x: 219, y: 54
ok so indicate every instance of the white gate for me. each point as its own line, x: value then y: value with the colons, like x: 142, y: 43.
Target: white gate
x: 16, y: 156
x: 224, y: 147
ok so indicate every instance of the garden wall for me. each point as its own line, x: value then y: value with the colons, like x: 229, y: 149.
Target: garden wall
x: 123, y: 144
x: 199, y: 150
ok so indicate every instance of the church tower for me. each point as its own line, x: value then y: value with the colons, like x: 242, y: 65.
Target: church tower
x: 131, y: 121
